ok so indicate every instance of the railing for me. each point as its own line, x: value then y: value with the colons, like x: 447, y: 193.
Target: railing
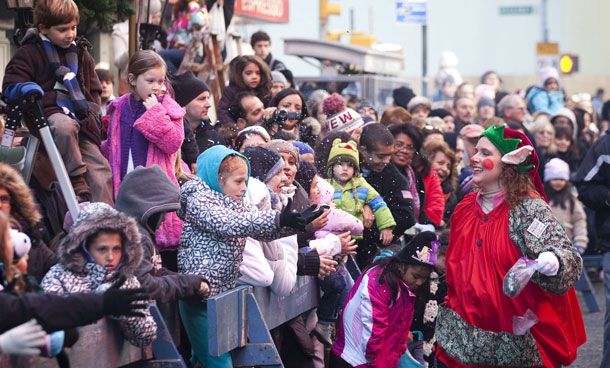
x: 239, y: 321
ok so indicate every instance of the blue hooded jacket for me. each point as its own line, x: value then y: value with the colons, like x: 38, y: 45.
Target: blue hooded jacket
x: 208, y: 165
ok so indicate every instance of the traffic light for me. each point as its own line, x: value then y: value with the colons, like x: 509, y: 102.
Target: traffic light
x: 327, y: 9
x: 568, y: 63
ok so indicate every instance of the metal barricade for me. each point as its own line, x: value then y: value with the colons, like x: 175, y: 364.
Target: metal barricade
x: 239, y: 321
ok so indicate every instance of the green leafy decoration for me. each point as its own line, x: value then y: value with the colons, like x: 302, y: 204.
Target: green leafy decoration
x: 102, y: 14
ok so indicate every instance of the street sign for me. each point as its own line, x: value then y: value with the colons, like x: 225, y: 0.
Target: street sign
x: 547, y: 48
x: 547, y: 54
x: 411, y: 11
x: 264, y: 10
x: 516, y: 10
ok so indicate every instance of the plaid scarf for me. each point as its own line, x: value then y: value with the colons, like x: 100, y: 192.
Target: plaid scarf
x: 70, y: 96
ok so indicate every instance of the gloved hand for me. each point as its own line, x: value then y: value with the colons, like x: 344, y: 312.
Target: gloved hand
x: 424, y: 227
x: 25, y: 339
x: 548, y: 264
x: 119, y: 302
x: 311, y: 214
x: 298, y: 221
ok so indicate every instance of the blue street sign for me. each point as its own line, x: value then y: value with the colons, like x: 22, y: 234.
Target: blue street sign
x: 411, y: 11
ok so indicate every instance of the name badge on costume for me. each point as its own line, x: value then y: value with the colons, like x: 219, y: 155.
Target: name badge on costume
x: 537, y: 228
x: 406, y: 194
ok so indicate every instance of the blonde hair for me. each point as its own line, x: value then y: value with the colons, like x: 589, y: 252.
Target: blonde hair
x: 541, y: 121
x: 228, y: 165
x: 180, y: 174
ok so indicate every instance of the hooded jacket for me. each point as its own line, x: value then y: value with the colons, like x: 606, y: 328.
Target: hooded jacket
x: 539, y: 99
x: 593, y: 181
x: 146, y: 203
x: 25, y: 211
x: 339, y: 221
x: 366, y: 194
x: 162, y: 126
x: 216, y: 226
x: 273, y: 263
x: 31, y: 64
x: 76, y: 273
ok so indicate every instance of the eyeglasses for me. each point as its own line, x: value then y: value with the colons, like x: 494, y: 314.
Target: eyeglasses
x: 5, y: 199
x: 401, y: 146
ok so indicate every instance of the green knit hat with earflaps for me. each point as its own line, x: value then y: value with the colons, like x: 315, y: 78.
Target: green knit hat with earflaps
x: 343, y: 152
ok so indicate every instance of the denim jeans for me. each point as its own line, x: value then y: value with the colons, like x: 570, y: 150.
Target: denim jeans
x: 194, y: 316
x: 606, y: 355
x: 336, y: 288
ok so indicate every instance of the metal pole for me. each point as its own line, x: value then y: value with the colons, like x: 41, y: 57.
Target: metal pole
x: 133, y: 31
x: 351, y: 19
x: 545, y: 29
x: 60, y: 171
x: 424, y: 82
x: 30, y: 158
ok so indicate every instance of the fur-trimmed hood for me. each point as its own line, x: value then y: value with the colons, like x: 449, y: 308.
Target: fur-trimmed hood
x: 23, y: 207
x: 93, y: 218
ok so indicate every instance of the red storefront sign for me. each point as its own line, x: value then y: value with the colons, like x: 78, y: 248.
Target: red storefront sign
x: 267, y: 10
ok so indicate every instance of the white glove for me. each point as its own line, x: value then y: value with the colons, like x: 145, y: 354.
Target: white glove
x: 548, y: 264
x: 25, y: 339
x: 424, y: 227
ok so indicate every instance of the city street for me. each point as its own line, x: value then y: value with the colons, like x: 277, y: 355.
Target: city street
x: 590, y: 354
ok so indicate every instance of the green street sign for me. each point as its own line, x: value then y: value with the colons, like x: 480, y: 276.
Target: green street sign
x: 516, y: 10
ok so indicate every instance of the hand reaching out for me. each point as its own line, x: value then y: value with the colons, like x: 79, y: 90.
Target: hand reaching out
x: 321, y: 221
x: 348, y: 245
x: 326, y: 266
x: 25, y: 339
x: 369, y: 217
x: 386, y: 236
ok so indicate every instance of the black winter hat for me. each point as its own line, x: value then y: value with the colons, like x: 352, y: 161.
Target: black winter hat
x: 187, y: 87
x: 402, y: 96
x: 265, y: 163
x: 421, y: 250
x: 441, y: 113
x: 305, y: 175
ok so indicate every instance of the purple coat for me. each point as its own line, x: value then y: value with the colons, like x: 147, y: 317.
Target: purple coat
x: 162, y: 126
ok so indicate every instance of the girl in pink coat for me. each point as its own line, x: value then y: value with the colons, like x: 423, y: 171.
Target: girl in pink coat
x: 339, y: 221
x: 341, y: 225
x: 375, y: 322
x: 146, y: 128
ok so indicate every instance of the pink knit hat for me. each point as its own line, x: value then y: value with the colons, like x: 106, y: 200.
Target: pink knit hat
x: 556, y: 169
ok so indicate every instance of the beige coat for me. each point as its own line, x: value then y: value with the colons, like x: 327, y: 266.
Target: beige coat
x: 575, y: 223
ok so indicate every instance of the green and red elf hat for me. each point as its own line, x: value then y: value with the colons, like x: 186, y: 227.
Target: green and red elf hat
x: 518, y: 150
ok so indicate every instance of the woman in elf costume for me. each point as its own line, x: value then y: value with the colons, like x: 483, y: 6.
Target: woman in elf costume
x: 491, y: 229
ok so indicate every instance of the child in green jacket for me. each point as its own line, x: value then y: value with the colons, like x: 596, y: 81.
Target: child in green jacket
x: 352, y: 192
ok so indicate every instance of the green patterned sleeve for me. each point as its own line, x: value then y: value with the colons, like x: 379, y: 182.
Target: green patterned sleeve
x: 534, y: 229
